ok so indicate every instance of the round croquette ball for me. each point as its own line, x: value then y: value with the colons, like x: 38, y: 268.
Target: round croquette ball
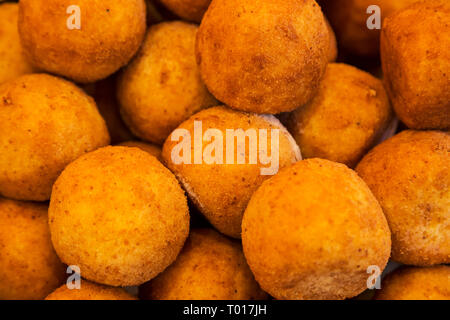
x: 263, y: 56
x: 13, y: 62
x: 409, y: 174
x: 154, y: 150
x: 346, y: 117
x: 190, y: 10
x: 90, y: 291
x: 221, y: 186
x: 29, y: 266
x: 313, y: 230
x: 412, y: 283
x: 350, y: 18
x: 416, y: 64
x: 119, y: 215
x: 162, y: 87
x: 210, y: 267
x: 109, y: 35
x: 46, y: 123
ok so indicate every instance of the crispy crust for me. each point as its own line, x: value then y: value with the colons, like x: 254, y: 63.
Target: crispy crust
x: 410, y: 174
x: 409, y: 283
x: 128, y: 211
x: 155, y: 103
x: 346, y: 117
x: 312, y: 230
x: 259, y: 64
x: 221, y: 191
x: 210, y: 267
x: 29, y: 266
x: 111, y: 33
x: 416, y: 64
x: 46, y: 123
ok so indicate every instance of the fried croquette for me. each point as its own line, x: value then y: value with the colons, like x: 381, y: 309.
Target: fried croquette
x: 411, y: 283
x: 409, y: 174
x: 416, y: 64
x: 46, y: 123
x: 343, y: 121
x: 162, y: 87
x: 148, y: 147
x: 263, y: 56
x: 350, y: 19
x: 221, y: 188
x: 312, y: 231
x: 190, y: 10
x: 29, y: 266
x: 13, y: 62
x: 119, y: 215
x: 85, y: 41
x: 90, y: 291
x: 210, y: 267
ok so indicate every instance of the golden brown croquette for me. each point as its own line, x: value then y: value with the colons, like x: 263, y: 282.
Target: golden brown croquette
x: 346, y: 117
x: 263, y: 56
x: 412, y: 283
x: 109, y: 35
x: 119, y: 215
x: 409, y: 174
x: 221, y: 189
x: 416, y: 64
x: 313, y: 230
x: 46, y: 123
x: 29, y: 266
x: 162, y: 87
x: 210, y: 267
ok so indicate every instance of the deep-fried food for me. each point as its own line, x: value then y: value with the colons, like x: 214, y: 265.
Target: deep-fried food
x: 109, y: 34
x: 29, y: 266
x: 410, y: 176
x: 263, y: 56
x: 162, y: 87
x: 313, y: 230
x: 416, y: 64
x: 119, y: 215
x: 221, y: 188
x: 410, y: 283
x: 346, y: 117
x: 45, y: 123
x: 210, y: 267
